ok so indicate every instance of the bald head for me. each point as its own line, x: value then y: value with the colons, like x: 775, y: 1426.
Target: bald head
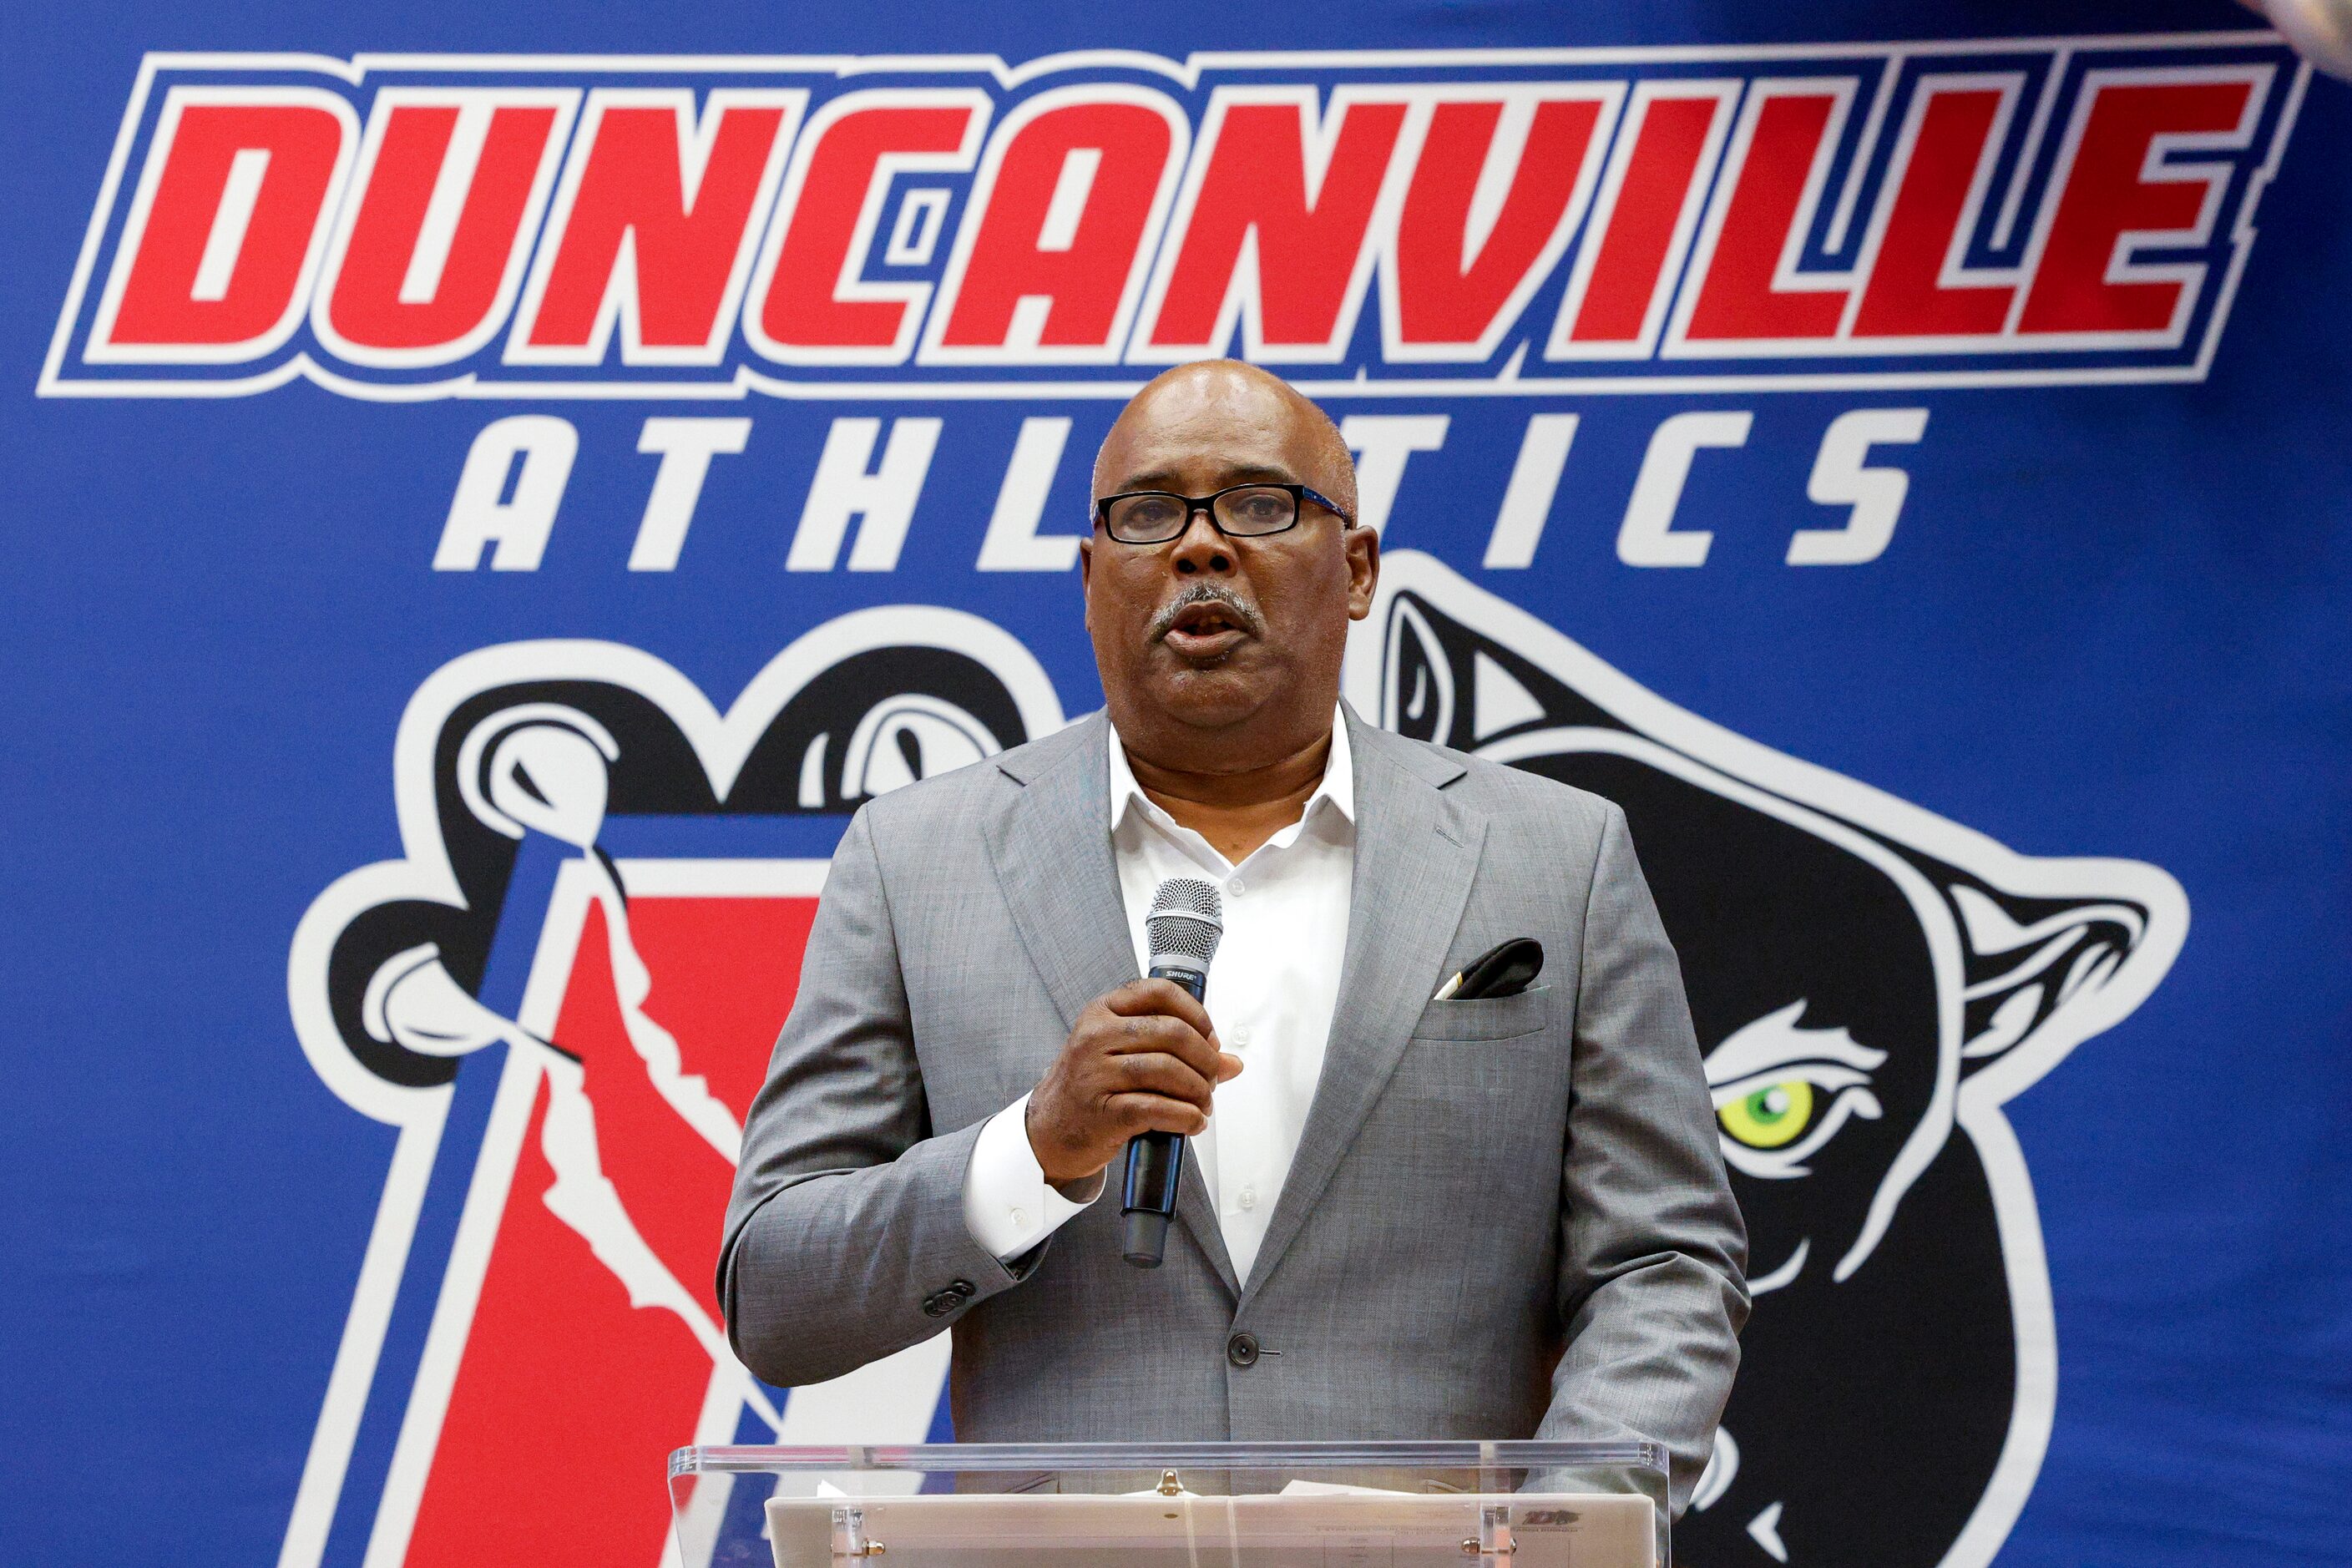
x: 1198, y: 402
x: 1220, y: 652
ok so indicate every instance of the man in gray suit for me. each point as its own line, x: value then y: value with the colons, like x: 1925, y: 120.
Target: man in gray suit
x: 1408, y: 1218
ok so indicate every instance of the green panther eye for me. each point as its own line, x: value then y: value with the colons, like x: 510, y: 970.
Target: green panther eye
x: 1772, y: 1116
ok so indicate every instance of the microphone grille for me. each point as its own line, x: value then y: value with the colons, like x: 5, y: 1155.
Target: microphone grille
x: 1186, y: 921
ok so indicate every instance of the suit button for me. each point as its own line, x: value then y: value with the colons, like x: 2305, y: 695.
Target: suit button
x: 959, y: 1287
x: 935, y: 1305
x: 1242, y: 1350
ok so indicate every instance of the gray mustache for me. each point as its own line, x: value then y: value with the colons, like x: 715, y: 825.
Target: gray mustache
x: 1206, y: 594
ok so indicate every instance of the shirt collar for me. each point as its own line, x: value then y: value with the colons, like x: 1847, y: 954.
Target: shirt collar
x: 1338, y: 788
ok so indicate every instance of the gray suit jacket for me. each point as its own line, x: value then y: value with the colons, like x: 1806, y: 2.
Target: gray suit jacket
x: 1507, y: 1218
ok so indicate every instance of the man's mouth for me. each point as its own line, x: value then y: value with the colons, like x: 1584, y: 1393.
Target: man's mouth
x: 1204, y: 629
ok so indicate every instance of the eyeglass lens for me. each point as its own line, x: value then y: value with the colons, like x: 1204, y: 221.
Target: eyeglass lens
x: 1152, y: 517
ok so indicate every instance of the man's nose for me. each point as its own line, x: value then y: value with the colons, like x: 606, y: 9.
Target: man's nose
x: 1201, y: 548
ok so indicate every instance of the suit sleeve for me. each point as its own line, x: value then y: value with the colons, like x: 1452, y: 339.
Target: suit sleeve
x: 1652, y: 1251
x: 845, y: 1237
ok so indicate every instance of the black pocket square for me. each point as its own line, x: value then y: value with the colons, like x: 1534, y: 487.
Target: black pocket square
x: 1504, y: 971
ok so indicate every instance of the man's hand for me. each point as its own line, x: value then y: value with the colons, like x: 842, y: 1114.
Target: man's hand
x: 1143, y: 1058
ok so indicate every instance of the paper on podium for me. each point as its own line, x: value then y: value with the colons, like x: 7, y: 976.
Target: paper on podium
x: 1308, y: 1525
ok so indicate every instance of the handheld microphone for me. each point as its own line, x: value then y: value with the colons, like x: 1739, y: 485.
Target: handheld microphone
x: 1186, y: 922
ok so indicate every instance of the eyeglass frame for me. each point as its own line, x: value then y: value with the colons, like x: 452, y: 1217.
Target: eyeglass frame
x: 1196, y: 505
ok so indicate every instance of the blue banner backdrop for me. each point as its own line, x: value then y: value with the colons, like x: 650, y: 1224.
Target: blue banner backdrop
x: 491, y: 491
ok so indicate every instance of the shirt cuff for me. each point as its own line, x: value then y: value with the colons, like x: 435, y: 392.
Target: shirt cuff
x: 1008, y: 1205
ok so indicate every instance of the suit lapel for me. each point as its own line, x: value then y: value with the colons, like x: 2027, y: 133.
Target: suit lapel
x: 1197, y: 1215
x: 1052, y: 854
x: 1416, y: 855
x: 1054, y: 861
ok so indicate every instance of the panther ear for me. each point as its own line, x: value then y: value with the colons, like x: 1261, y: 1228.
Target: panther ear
x: 2043, y: 972
x: 1443, y: 681
x: 1416, y: 675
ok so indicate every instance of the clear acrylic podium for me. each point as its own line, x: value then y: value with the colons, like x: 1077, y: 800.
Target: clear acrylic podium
x: 1177, y: 1505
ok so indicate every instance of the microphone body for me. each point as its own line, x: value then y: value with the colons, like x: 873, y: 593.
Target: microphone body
x: 1186, y: 922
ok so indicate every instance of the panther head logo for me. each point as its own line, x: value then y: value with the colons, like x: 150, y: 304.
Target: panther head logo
x: 1870, y: 983
x: 564, y: 997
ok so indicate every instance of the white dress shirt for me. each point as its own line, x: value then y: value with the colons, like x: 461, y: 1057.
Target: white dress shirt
x: 1271, y: 988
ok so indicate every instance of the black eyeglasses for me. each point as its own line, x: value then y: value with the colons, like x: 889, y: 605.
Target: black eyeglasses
x: 1240, y: 512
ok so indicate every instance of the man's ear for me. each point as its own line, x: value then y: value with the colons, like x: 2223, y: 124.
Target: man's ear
x: 1362, y: 546
x: 1086, y: 580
